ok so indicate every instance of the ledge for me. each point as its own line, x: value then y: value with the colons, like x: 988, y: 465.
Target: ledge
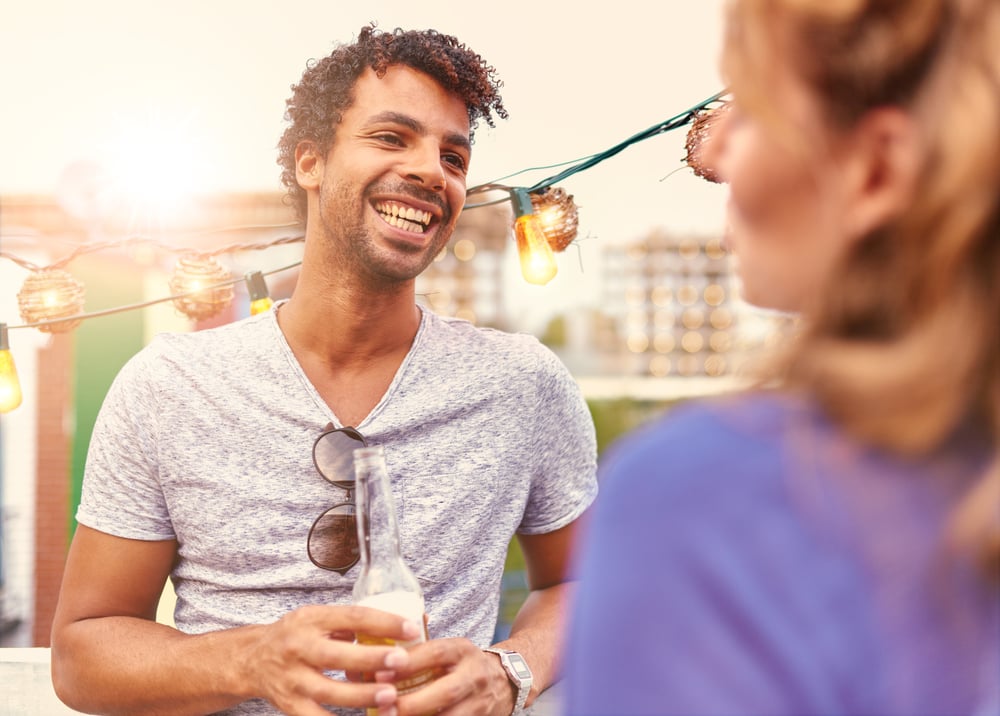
x: 26, y: 684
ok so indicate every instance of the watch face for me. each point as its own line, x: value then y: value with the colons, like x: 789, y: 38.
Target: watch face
x: 520, y: 668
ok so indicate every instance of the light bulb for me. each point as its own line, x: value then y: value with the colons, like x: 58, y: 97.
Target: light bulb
x: 538, y: 263
x: 10, y: 388
x: 699, y: 137
x: 202, y: 285
x: 260, y: 299
x: 49, y: 295
x: 559, y: 216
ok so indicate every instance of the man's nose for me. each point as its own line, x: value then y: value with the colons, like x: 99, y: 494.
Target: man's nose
x: 423, y: 166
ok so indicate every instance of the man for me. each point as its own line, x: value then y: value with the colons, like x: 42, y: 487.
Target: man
x: 201, y: 466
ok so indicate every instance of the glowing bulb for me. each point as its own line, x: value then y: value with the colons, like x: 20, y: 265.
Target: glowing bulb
x: 202, y: 286
x: 10, y: 388
x: 260, y: 299
x: 51, y: 295
x: 550, y: 217
x: 559, y: 216
x: 538, y: 263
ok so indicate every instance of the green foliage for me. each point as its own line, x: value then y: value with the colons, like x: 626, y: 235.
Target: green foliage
x: 515, y: 559
x: 614, y: 418
x: 554, y: 335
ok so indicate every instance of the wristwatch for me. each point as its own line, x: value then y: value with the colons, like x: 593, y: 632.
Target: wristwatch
x: 518, y: 673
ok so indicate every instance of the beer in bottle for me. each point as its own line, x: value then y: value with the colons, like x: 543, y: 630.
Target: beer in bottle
x: 384, y: 581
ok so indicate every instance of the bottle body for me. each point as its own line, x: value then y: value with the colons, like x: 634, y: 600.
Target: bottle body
x: 385, y: 581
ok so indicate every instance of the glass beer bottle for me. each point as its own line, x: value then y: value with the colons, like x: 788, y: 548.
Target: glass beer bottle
x: 384, y: 581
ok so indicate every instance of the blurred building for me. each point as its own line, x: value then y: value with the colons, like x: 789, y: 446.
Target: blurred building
x: 466, y: 278
x: 671, y: 306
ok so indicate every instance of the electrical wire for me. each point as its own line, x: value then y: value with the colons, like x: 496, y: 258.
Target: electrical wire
x: 587, y: 162
x: 153, y: 302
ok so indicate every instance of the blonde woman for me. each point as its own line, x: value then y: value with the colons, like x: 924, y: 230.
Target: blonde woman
x: 829, y: 544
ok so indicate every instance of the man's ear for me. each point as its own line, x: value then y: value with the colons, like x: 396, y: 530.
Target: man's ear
x: 883, y: 162
x: 308, y: 165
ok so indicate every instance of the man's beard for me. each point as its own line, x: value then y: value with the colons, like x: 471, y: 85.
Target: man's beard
x: 350, y: 245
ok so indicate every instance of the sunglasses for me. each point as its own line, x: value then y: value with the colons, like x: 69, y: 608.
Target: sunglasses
x: 333, y: 537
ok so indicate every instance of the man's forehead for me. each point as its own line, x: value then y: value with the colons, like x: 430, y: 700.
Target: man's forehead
x: 409, y: 91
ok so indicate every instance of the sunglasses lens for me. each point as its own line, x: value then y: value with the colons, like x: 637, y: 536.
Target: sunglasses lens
x: 333, y: 455
x: 333, y: 539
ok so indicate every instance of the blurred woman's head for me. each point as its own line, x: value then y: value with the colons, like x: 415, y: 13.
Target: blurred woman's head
x: 862, y: 151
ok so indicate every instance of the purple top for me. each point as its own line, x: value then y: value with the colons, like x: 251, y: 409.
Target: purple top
x: 747, y: 558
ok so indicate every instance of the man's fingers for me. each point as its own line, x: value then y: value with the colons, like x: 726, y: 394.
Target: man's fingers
x: 437, y: 654
x: 351, y: 657
x: 437, y: 696
x: 345, y: 621
x: 368, y: 621
x: 349, y: 694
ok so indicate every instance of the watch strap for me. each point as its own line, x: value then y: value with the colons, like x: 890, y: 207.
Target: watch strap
x: 522, y: 681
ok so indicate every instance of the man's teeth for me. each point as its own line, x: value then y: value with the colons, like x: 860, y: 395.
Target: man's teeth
x: 402, y: 223
x: 404, y: 217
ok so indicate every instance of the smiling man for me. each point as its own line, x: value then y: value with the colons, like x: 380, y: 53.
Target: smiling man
x: 202, y: 466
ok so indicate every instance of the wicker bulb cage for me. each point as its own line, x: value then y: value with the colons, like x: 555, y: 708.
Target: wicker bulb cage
x: 198, y: 277
x: 48, y: 295
x: 559, y: 216
x: 698, y: 136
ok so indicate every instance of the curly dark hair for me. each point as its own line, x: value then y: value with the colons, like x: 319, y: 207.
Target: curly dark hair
x: 326, y: 90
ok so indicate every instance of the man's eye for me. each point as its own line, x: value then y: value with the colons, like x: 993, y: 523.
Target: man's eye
x: 389, y: 139
x: 455, y: 160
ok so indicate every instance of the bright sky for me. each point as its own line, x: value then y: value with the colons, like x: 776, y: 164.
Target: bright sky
x: 81, y: 81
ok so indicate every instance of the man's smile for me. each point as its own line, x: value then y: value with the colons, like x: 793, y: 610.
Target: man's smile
x: 404, y: 217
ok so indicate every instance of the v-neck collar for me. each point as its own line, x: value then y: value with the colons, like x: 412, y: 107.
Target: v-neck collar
x: 397, y: 379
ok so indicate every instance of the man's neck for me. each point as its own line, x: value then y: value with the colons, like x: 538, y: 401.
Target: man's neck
x: 343, y: 328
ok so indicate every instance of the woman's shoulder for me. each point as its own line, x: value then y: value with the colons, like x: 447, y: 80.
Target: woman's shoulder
x: 720, y: 429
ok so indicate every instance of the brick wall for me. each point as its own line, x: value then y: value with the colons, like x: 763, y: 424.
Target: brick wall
x: 55, y: 365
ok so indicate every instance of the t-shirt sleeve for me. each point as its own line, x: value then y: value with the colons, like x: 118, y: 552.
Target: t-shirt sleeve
x: 564, y: 465
x: 121, y: 491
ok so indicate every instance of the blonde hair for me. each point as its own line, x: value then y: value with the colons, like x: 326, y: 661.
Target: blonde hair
x: 905, y: 343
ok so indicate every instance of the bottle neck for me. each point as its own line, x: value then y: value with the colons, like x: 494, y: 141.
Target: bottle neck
x: 378, y: 531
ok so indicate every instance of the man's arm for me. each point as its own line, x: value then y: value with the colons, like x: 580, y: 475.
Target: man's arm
x: 109, y: 655
x: 538, y: 627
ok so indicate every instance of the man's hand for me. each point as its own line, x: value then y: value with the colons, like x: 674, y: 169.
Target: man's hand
x: 470, y: 681
x: 287, y: 667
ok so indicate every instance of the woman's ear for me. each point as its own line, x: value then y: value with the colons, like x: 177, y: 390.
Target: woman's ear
x: 308, y: 165
x: 882, y: 163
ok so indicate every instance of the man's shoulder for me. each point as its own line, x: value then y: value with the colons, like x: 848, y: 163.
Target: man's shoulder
x: 222, y: 346
x: 702, y: 440
x: 235, y: 333
x: 459, y: 335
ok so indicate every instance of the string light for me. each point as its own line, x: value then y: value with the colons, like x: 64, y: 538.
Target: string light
x: 49, y: 295
x: 545, y: 220
x: 538, y: 264
x: 559, y: 216
x: 203, y: 281
x: 10, y: 387
x: 260, y: 298
x: 539, y: 189
x: 698, y: 138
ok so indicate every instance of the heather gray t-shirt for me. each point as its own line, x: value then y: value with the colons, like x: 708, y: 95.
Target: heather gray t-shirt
x: 206, y: 438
